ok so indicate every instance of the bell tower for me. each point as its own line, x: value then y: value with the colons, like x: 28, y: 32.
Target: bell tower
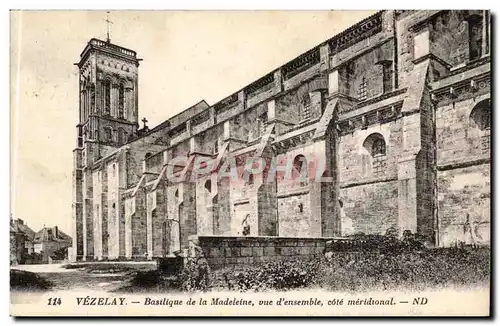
x: 108, y: 81
x: 108, y: 119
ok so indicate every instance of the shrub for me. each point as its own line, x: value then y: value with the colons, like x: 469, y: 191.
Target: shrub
x: 403, y: 268
x: 285, y: 275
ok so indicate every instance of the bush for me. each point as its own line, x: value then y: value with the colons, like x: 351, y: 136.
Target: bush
x: 285, y: 275
x: 412, y: 270
x: 388, y: 243
x: 354, y: 271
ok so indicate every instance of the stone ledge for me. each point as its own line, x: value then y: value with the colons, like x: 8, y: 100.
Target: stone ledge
x: 368, y: 181
x: 463, y: 164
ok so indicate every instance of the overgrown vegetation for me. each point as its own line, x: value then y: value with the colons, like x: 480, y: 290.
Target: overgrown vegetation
x: 377, y: 263
x: 27, y: 281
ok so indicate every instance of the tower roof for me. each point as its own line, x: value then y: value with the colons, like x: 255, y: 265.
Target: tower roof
x: 110, y: 48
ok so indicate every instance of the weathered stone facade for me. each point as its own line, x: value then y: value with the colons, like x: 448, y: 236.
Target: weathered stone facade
x: 395, y: 111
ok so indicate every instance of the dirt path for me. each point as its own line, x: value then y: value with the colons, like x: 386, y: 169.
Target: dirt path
x: 85, y: 278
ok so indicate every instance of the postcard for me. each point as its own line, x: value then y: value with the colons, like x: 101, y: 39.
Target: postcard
x: 250, y: 163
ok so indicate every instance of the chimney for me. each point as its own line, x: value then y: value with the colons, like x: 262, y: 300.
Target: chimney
x: 55, y: 231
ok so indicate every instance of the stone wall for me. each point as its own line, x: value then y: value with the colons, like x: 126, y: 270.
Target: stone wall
x: 369, y: 198
x: 239, y: 251
x: 464, y: 205
x: 370, y: 208
x: 464, y: 179
x: 450, y: 41
x: 459, y: 139
x: 355, y: 157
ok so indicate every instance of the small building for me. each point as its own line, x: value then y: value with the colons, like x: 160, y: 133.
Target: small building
x: 29, y: 236
x: 16, y: 244
x: 21, y: 242
x: 51, y: 244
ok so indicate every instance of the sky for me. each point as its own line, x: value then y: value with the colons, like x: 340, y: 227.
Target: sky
x: 187, y: 57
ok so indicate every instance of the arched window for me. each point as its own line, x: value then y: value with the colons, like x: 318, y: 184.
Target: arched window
x: 376, y: 147
x: 208, y: 186
x: 121, y: 101
x: 306, y: 107
x: 108, y: 137
x: 84, y: 105
x: 475, y: 23
x: 121, y: 136
x: 300, y: 169
x: 481, y: 115
x: 107, y: 96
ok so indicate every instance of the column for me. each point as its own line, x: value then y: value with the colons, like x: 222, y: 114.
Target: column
x: 486, y: 33
x: 82, y: 115
x: 87, y: 103
x: 333, y: 82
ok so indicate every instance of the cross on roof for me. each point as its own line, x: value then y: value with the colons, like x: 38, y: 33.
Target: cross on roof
x: 107, y: 25
x: 144, y: 120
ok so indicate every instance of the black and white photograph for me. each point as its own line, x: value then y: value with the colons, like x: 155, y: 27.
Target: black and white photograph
x: 250, y: 163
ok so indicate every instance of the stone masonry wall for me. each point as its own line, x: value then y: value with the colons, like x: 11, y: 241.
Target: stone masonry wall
x: 370, y: 201
x: 370, y: 208
x: 464, y: 180
x: 458, y: 137
x: 355, y: 161
x: 243, y: 251
x: 462, y: 192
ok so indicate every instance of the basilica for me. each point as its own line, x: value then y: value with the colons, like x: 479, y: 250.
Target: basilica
x: 395, y: 112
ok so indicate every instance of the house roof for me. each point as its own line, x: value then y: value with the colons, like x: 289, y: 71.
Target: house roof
x: 28, y: 232
x: 18, y: 226
x: 48, y: 234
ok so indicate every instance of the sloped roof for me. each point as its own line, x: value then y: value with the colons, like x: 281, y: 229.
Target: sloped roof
x: 28, y: 232
x: 47, y: 234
